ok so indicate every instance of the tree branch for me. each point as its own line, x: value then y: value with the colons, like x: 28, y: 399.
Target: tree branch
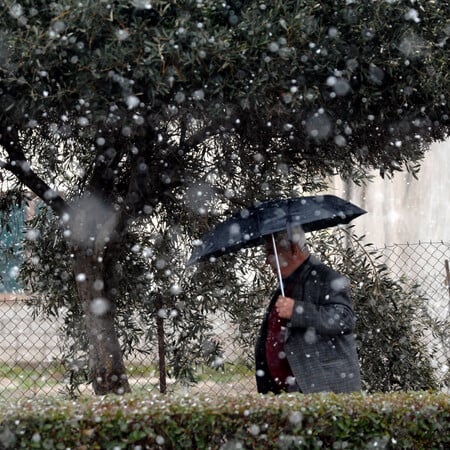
x: 20, y: 167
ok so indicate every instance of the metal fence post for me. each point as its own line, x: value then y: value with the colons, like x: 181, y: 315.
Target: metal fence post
x: 447, y: 276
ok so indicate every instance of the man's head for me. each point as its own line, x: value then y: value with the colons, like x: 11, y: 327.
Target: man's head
x: 291, y: 249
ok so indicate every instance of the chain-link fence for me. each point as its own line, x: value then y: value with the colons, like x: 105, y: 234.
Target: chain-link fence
x: 427, y: 265
x: 30, y: 350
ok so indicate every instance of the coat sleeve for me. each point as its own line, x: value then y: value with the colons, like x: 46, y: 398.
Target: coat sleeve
x: 325, y: 305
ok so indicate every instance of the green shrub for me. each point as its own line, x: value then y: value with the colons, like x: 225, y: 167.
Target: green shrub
x: 415, y: 420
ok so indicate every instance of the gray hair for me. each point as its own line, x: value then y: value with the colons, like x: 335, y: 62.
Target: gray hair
x: 293, y: 234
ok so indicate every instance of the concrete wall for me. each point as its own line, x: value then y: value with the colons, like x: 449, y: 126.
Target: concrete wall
x: 404, y: 209
x: 24, y: 340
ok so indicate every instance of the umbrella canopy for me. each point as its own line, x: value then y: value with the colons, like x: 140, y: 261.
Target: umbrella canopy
x: 247, y: 228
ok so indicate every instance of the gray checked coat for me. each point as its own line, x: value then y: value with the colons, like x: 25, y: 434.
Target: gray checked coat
x: 319, y: 342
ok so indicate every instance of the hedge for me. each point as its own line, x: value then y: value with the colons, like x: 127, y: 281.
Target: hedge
x: 414, y: 420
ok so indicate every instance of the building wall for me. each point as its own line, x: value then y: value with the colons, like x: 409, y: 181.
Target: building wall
x: 404, y: 209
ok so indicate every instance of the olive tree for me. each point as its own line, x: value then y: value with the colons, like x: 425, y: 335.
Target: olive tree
x: 116, y: 113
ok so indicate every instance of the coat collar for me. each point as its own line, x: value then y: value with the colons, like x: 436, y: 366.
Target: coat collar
x: 298, y: 272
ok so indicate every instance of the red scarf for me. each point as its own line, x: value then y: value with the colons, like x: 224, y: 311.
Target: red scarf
x: 276, y: 358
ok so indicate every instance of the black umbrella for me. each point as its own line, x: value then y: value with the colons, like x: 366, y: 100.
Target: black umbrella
x: 249, y: 227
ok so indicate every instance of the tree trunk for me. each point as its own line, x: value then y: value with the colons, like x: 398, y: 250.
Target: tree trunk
x: 106, y: 367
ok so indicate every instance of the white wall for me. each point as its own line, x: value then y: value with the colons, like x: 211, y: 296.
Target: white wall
x: 403, y: 209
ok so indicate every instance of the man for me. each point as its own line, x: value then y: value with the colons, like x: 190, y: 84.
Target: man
x: 306, y: 341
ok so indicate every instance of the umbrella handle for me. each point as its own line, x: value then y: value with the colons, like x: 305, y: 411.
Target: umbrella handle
x: 275, y: 252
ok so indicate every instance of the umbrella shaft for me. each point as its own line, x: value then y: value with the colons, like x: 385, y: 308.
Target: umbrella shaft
x: 277, y: 260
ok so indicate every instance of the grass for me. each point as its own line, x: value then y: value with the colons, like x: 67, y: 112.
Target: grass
x: 19, y: 381
x: 226, y: 373
x: 53, y: 370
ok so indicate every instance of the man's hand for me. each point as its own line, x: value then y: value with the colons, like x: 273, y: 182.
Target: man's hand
x: 284, y: 307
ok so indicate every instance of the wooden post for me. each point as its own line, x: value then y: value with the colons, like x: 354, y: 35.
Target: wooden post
x: 161, y: 346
